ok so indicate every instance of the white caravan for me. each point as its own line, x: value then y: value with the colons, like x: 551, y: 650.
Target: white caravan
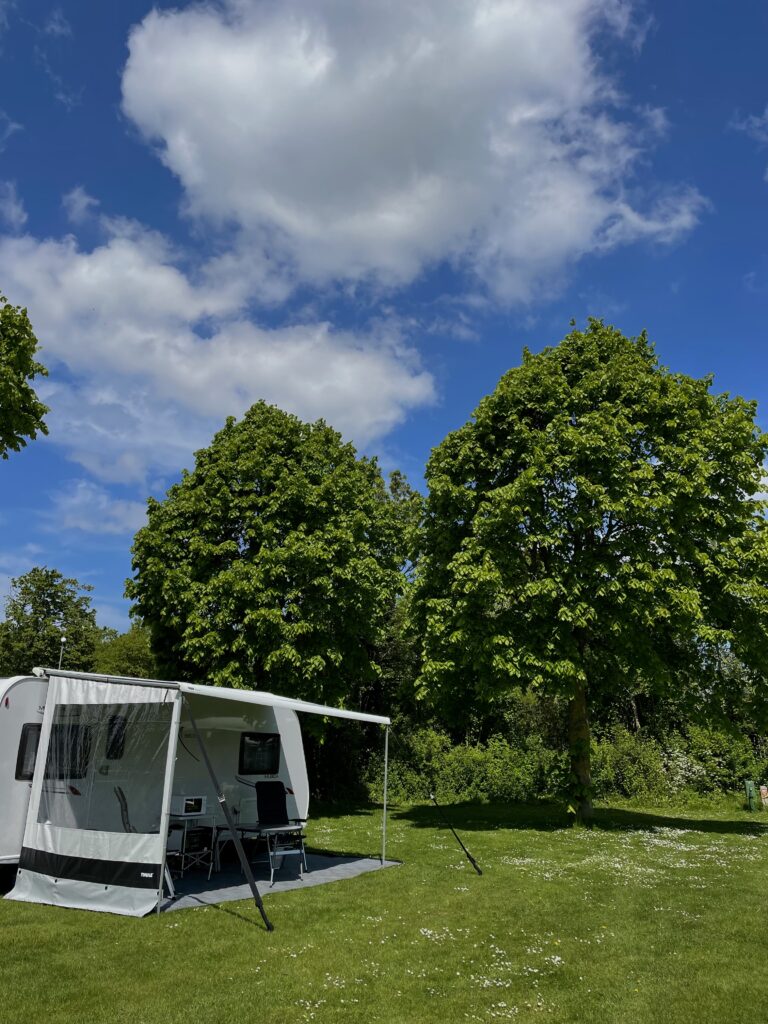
x: 88, y: 820
x: 22, y: 703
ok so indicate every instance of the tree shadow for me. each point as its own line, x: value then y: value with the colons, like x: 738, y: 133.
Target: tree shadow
x: 343, y: 808
x: 552, y: 817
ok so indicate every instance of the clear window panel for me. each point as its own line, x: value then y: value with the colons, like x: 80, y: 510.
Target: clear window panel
x: 105, y: 767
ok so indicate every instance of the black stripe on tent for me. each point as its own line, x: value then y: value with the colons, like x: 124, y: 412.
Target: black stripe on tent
x: 87, y: 869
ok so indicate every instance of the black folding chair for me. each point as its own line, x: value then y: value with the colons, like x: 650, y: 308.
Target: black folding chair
x: 283, y: 835
x: 190, y: 845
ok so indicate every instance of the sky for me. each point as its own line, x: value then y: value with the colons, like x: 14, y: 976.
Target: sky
x: 360, y: 210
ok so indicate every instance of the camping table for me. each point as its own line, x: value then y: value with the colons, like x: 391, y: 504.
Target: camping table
x: 223, y: 834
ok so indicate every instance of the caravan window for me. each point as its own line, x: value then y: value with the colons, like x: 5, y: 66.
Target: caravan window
x: 259, y: 753
x: 28, y: 744
x: 115, y: 745
x: 69, y: 751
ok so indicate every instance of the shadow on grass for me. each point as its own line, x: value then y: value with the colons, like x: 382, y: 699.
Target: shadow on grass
x: 550, y: 817
x: 224, y: 909
x: 343, y: 808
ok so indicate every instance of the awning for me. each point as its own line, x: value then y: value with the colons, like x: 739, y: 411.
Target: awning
x: 225, y: 693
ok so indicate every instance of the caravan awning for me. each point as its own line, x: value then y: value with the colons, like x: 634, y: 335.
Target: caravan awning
x: 225, y: 693
x: 273, y: 701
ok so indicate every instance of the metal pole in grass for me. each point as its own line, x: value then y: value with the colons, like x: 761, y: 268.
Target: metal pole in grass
x: 384, y: 814
x: 470, y: 858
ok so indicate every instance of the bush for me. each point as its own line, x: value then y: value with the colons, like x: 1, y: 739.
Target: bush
x: 425, y: 761
x: 624, y: 764
x: 628, y: 764
x: 725, y: 760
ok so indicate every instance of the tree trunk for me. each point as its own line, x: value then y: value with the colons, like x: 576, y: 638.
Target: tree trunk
x: 578, y: 743
x: 635, y: 716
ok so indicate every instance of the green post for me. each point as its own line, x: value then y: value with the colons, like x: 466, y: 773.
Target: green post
x: 751, y: 792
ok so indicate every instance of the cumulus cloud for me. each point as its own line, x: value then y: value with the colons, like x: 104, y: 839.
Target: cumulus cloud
x: 12, y: 210
x: 86, y: 506
x: 158, y: 357
x: 366, y: 141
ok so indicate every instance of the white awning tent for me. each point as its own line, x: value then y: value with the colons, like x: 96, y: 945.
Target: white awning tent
x: 76, y: 850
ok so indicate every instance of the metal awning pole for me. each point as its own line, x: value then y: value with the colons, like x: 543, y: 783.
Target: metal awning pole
x: 165, y: 815
x: 230, y: 823
x: 384, y: 814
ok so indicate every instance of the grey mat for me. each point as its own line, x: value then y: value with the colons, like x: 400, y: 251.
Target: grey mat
x: 194, y: 890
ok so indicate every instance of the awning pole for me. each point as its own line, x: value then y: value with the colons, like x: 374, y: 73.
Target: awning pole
x: 165, y: 815
x: 230, y: 823
x: 384, y: 814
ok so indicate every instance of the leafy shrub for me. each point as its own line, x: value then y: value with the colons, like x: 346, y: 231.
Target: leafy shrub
x: 425, y: 761
x: 725, y: 760
x: 624, y: 764
x: 627, y: 764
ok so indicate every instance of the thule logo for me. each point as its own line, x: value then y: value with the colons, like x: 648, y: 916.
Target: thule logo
x: 146, y: 874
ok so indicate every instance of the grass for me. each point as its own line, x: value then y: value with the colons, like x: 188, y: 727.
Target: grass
x: 650, y: 915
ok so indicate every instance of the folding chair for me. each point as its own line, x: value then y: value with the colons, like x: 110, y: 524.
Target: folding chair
x: 190, y: 845
x: 283, y: 835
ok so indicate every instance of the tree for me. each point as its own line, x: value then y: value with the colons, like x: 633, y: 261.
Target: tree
x: 126, y: 654
x: 273, y: 564
x: 595, y: 529
x: 21, y: 412
x: 42, y: 607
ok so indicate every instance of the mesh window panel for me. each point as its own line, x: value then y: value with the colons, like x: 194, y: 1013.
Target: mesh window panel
x: 105, y: 767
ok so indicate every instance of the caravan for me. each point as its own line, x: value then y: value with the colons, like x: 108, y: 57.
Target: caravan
x: 97, y: 772
x: 22, y: 703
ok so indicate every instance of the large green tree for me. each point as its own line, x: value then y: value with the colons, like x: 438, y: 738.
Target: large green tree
x: 595, y: 529
x: 21, y: 412
x: 274, y: 563
x: 42, y: 607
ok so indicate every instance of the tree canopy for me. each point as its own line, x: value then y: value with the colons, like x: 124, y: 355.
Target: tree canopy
x: 21, y: 412
x: 42, y: 607
x: 126, y: 654
x: 593, y: 528
x: 274, y: 563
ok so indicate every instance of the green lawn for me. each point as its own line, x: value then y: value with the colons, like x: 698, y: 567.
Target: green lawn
x: 650, y: 916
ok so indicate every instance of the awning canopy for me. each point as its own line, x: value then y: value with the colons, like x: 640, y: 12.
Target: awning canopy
x: 225, y: 693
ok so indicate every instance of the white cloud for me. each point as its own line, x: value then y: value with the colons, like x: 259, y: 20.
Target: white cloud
x: 12, y: 210
x: 57, y: 24
x: 88, y: 507
x: 754, y: 125
x: 8, y: 127
x: 361, y: 141
x: 78, y: 205
x: 159, y: 357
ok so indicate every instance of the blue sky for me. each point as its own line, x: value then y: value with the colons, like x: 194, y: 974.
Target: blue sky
x: 356, y: 210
